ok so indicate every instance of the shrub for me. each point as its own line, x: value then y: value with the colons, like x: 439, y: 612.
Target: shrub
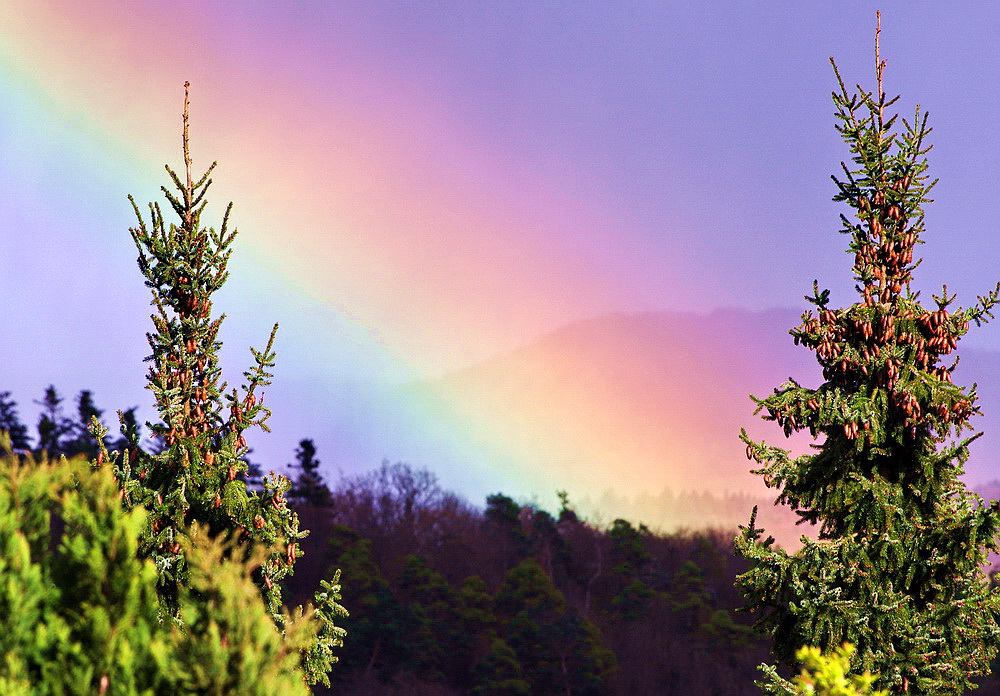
x: 80, y: 610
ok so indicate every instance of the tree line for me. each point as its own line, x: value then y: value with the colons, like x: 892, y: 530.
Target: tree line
x: 512, y: 599
x: 59, y: 434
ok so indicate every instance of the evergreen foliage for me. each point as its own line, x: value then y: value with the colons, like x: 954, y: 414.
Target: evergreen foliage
x: 630, y: 562
x: 79, y: 606
x: 503, y: 518
x: 567, y: 513
x: 560, y: 652
x: 377, y: 625
x: 475, y: 606
x: 499, y: 673
x: 439, y: 645
x: 192, y: 477
x: 897, y: 569
x: 253, y: 476
x: 132, y: 430
x: 80, y: 440
x: 401, y: 540
x: 456, y: 618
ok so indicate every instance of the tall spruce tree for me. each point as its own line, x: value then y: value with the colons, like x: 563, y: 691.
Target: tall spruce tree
x: 897, y: 568
x: 193, y: 477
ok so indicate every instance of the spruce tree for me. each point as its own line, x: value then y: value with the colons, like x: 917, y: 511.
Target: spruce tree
x: 897, y: 567
x: 502, y: 518
x: 630, y: 562
x: 439, y: 650
x: 193, y: 476
x: 378, y: 644
x: 560, y: 652
x: 499, y: 673
x: 131, y: 427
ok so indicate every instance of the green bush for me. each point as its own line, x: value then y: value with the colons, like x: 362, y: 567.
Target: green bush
x: 79, y: 608
x: 830, y: 674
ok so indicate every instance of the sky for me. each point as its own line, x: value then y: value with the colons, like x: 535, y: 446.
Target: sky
x: 422, y: 189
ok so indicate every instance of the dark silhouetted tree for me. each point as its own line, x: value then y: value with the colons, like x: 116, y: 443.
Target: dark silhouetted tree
x: 308, y: 486
x: 53, y: 426
x: 547, y: 543
x: 79, y: 438
x: 567, y: 513
x: 503, y: 519
x: 11, y: 424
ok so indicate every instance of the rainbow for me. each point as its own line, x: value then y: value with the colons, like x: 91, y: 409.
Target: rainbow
x: 409, y: 256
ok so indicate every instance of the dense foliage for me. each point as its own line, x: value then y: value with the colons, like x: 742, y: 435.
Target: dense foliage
x: 897, y: 569
x: 426, y: 562
x: 79, y: 607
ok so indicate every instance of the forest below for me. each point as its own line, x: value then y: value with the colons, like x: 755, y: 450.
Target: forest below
x: 449, y: 598
x: 453, y: 599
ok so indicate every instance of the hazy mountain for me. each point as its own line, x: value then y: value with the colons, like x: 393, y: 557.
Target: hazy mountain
x: 626, y: 410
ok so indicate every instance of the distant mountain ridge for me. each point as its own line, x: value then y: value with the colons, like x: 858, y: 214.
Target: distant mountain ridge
x: 635, y: 403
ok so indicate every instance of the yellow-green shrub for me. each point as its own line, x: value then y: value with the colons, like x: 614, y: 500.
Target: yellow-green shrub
x: 830, y: 674
x: 79, y: 611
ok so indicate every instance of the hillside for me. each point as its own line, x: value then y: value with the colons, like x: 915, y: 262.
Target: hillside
x: 631, y: 411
